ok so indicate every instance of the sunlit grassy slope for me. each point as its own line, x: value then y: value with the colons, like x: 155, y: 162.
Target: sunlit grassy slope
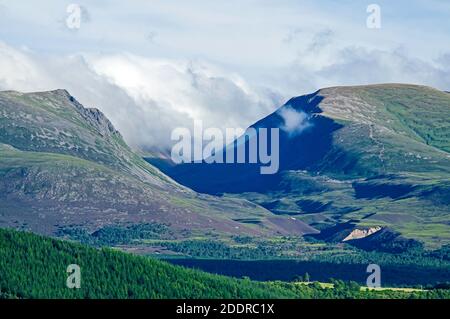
x: 64, y: 165
x: 378, y: 155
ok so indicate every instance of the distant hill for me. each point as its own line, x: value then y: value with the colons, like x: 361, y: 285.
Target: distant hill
x: 375, y: 156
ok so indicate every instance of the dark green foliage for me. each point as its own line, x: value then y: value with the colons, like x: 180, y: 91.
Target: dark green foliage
x: 35, y: 267
x: 116, y: 235
x: 310, y: 206
x: 410, y: 268
x: 32, y: 266
x: 219, y: 250
x: 243, y: 239
x: 443, y: 253
x: 348, y: 290
x: 407, y: 275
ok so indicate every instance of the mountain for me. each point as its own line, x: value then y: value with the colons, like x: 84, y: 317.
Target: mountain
x: 352, y: 159
x: 64, y: 167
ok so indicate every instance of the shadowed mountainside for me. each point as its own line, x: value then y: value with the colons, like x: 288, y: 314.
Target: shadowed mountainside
x: 378, y: 155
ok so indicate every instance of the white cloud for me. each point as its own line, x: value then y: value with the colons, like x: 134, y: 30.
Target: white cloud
x: 19, y: 71
x: 228, y: 64
x: 356, y: 65
x: 145, y: 98
x: 294, y: 121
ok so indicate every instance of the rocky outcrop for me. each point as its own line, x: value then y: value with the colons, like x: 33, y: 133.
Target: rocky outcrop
x: 362, y: 233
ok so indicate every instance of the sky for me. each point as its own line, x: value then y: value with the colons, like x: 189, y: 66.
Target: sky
x: 152, y: 66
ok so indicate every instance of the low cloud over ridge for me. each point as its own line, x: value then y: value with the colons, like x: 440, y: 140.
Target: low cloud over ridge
x: 145, y: 98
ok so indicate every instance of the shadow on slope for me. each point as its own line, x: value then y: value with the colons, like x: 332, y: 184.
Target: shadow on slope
x: 300, y: 151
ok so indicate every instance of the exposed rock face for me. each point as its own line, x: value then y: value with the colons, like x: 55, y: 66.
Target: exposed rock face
x: 92, y: 115
x: 362, y: 233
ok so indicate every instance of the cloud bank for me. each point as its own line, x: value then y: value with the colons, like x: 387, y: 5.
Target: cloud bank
x: 145, y: 98
x: 157, y: 65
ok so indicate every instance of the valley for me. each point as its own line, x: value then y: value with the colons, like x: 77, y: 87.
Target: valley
x: 365, y: 180
x: 33, y: 267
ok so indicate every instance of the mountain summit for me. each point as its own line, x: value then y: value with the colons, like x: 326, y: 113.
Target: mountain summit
x: 371, y: 156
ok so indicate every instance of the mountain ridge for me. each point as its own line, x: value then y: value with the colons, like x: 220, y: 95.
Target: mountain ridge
x: 374, y: 150
x: 63, y: 165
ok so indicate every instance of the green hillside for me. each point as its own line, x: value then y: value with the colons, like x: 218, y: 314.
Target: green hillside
x: 63, y: 165
x: 32, y: 266
x: 388, y: 164
x: 54, y: 122
x: 376, y: 155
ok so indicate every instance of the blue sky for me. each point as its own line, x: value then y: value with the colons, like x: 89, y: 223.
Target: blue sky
x: 226, y: 62
x: 232, y: 32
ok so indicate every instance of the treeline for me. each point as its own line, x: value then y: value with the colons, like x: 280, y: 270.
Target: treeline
x: 220, y: 250
x: 248, y: 248
x: 33, y: 266
x: 261, y: 250
x: 439, y: 258
x: 289, y: 270
x: 270, y: 251
x: 262, y: 262
x: 116, y: 235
